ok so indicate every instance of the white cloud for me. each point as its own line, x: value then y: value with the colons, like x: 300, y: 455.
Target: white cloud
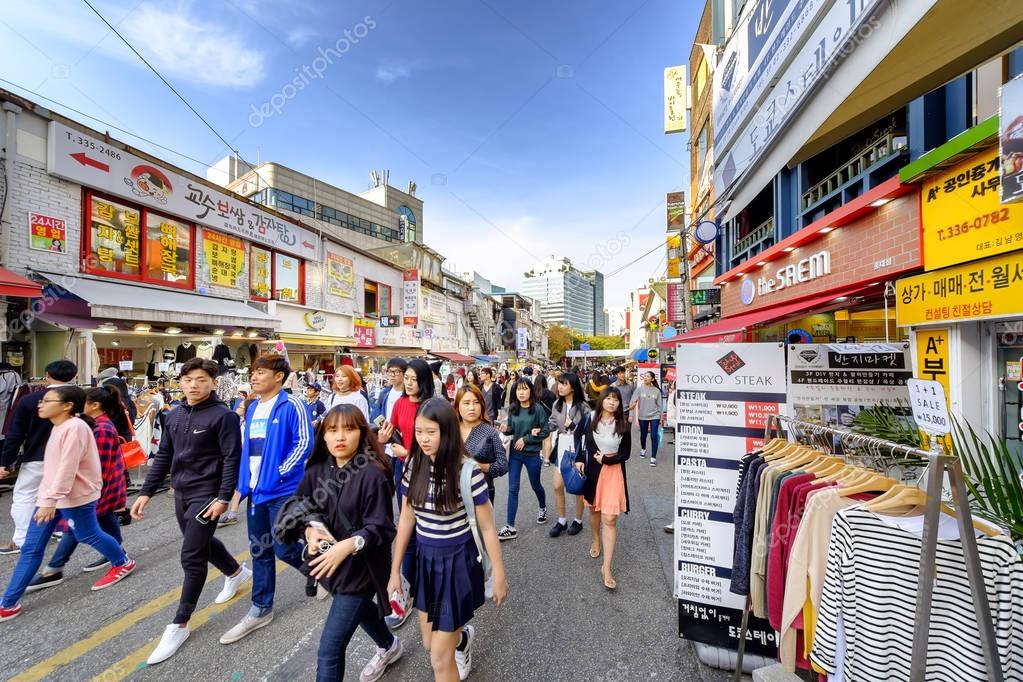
x: 388, y: 73
x: 300, y: 37
x: 188, y: 48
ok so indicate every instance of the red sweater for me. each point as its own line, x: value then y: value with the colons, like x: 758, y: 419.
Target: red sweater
x: 404, y: 419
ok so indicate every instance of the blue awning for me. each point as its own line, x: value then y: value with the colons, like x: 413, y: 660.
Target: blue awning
x: 487, y: 358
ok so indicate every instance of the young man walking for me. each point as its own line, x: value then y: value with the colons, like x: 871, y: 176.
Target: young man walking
x: 621, y: 382
x: 30, y: 430
x: 277, y: 439
x: 395, y: 388
x: 201, y: 447
x: 493, y: 396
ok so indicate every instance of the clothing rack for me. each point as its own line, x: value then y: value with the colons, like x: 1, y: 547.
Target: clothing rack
x: 940, y: 463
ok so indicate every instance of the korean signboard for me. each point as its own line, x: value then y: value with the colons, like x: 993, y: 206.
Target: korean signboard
x: 962, y: 216
x: 47, y: 233
x: 225, y: 258
x: 705, y: 296
x: 984, y: 289
x: 1011, y: 140
x: 725, y: 393
x: 676, y: 302
x: 932, y: 356
x: 830, y: 383
x: 91, y: 162
x: 675, y: 88
x: 365, y: 333
x: 676, y: 203
x: 410, y: 297
x: 434, y: 307
x: 522, y: 339
x: 340, y: 276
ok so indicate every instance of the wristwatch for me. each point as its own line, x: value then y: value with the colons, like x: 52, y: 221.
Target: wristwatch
x: 360, y: 542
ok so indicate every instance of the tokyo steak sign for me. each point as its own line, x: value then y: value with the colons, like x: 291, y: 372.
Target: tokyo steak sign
x: 89, y: 161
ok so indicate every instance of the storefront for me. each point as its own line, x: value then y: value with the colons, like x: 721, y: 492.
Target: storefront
x: 827, y: 282
x: 313, y: 339
x: 966, y: 310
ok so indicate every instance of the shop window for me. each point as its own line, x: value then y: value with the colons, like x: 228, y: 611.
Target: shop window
x: 384, y: 300
x: 117, y: 246
x: 260, y: 273
x: 370, y: 300
x: 288, y: 278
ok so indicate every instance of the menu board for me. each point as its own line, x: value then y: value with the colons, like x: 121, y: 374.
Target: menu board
x: 725, y: 393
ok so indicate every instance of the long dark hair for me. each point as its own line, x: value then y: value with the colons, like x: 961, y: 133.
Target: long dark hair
x: 109, y: 398
x: 351, y: 416
x: 513, y: 403
x: 447, y: 463
x: 621, y: 426
x: 653, y: 379
x: 76, y: 396
x: 424, y: 377
x: 578, y: 396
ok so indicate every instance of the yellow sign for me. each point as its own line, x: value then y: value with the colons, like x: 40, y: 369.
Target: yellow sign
x: 675, y: 105
x: 963, y: 218
x: 932, y: 357
x: 225, y: 257
x: 674, y: 245
x: 985, y: 289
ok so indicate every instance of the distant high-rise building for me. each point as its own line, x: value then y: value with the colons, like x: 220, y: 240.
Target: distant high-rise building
x: 568, y: 296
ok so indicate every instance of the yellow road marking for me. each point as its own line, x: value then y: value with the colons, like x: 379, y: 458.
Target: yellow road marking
x: 136, y: 660
x: 108, y: 632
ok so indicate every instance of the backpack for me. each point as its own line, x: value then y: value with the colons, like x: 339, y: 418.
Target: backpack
x: 465, y: 487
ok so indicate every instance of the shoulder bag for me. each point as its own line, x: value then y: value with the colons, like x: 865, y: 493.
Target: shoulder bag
x: 575, y: 481
x: 465, y: 486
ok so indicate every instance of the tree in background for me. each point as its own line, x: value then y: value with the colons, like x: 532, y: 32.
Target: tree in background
x: 559, y: 340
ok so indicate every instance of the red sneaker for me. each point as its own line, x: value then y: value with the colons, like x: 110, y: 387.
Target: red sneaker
x: 115, y: 575
x: 6, y: 613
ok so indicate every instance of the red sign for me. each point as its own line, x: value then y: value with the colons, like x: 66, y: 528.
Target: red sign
x: 676, y: 302
x: 365, y: 333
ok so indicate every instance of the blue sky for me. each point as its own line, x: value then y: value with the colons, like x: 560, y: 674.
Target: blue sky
x: 530, y: 128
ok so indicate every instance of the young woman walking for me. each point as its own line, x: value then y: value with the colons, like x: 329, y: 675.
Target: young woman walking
x: 71, y: 485
x: 608, y: 442
x: 346, y: 491
x: 347, y: 391
x: 527, y: 426
x: 509, y: 388
x: 450, y: 575
x: 569, y: 417
x: 646, y: 405
x: 102, y: 404
x: 481, y: 439
x: 545, y: 397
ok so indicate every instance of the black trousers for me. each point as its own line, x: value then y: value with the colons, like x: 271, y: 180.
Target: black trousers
x: 198, y: 549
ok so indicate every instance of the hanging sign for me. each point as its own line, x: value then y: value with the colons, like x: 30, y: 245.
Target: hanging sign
x: 225, y: 258
x: 705, y: 296
x: 844, y: 377
x: 340, y: 276
x: 932, y: 356
x: 365, y: 333
x: 47, y: 233
x: 725, y: 393
x: 125, y: 365
x: 675, y: 106
x: 930, y: 411
x: 410, y: 297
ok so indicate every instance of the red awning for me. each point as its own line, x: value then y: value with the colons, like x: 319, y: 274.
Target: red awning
x: 730, y: 329
x: 12, y: 284
x: 456, y: 358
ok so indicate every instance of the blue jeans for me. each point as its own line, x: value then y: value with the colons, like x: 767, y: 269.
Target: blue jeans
x: 266, y: 550
x: 653, y: 427
x: 515, y: 463
x: 85, y: 527
x: 108, y: 523
x: 346, y: 613
x: 408, y: 562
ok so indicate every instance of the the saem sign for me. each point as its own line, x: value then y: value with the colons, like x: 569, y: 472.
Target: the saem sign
x: 805, y: 270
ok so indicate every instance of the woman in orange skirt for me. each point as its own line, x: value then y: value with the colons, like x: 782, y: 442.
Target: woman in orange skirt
x: 606, y: 491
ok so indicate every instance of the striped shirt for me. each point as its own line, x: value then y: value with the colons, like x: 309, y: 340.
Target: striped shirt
x: 866, y: 621
x: 437, y: 528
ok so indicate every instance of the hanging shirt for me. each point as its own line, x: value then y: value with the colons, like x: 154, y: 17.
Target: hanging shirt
x: 257, y: 434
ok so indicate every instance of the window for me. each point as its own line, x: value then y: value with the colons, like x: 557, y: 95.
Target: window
x: 384, y: 300
x: 117, y: 246
x: 287, y: 278
x: 276, y: 273
x: 285, y: 201
x: 369, y: 300
x: 260, y: 273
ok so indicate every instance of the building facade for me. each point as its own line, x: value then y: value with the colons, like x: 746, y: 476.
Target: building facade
x: 568, y: 296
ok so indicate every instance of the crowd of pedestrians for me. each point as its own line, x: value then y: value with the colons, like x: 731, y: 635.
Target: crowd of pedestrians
x: 382, y: 498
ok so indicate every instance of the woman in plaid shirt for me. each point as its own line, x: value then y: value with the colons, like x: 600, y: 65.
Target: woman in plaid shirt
x: 104, y: 405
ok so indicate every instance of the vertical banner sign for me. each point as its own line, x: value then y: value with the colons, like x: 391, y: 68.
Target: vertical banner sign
x: 410, y: 297
x: 726, y: 391
x: 676, y: 302
x: 675, y: 87
x: 932, y: 357
x: 225, y: 257
x: 340, y: 276
x: 47, y: 233
x: 365, y: 333
x: 522, y: 339
x: 1011, y: 140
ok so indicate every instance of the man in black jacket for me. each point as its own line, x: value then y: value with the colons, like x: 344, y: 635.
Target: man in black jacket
x: 493, y: 396
x: 29, y: 430
x: 201, y: 447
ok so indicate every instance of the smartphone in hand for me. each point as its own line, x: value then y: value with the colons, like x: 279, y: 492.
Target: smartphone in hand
x: 200, y: 517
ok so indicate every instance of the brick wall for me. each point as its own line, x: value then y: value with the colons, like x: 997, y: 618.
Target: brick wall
x: 893, y: 230
x: 32, y: 190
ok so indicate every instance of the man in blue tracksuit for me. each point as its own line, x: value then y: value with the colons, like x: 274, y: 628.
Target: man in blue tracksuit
x: 276, y: 440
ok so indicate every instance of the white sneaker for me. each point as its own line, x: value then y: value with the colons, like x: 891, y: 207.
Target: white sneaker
x: 463, y: 659
x: 231, y: 585
x: 377, y: 665
x: 247, y: 626
x: 172, y: 639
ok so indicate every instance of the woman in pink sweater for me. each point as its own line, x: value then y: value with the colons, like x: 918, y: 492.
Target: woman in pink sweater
x: 70, y: 488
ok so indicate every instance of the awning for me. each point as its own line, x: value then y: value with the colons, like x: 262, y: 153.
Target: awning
x: 137, y: 303
x: 730, y: 329
x: 456, y: 358
x: 487, y: 358
x: 13, y: 284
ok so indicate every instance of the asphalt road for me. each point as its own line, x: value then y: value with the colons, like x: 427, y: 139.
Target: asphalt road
x: 559, y: 623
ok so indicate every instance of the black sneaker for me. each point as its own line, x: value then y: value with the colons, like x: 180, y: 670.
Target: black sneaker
x: 96, y: 565
x: 541, y: 516
x: 507, y: 533
x: 575, y: 527
x: 557, y: 529
x: 41, y: 582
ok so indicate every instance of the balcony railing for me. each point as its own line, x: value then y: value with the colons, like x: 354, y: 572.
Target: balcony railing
x: 863, y: 162
x: 764, y: 230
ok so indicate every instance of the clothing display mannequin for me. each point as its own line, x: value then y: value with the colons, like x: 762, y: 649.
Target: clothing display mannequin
x: 222, y: 355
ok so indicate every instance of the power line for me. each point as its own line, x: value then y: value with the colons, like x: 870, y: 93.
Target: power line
x: 660, y: 245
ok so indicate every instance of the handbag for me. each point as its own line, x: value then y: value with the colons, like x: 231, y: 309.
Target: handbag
x: 575, y: 482
x: 465, y: 488
x: 132, y: 453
